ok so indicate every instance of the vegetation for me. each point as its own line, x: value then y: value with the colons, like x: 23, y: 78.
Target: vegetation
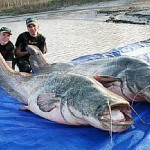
x: 14, y: 7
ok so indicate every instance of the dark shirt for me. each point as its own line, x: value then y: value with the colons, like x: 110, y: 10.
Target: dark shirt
x: 7, y: 51
x: 25, y: 39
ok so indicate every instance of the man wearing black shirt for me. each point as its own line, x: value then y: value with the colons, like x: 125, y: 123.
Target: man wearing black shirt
x: 6, y: 46
x: 32, y: 37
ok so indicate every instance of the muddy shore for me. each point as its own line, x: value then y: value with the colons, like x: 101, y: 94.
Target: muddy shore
x: 87, y: 29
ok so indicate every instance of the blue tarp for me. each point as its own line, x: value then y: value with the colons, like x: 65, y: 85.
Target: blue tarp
x: 139, y: 49
x: 23, y: 130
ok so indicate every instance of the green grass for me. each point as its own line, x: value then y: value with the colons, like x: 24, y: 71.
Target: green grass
x: 43, y: 6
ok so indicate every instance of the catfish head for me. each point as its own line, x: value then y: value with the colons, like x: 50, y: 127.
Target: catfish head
x: 138, y: 81
x: 82, y: 100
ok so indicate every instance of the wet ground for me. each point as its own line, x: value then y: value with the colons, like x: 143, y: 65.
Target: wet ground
x: 80, y: 30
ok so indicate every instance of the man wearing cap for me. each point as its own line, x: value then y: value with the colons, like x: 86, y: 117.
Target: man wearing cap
x: 31, y: 37
x: 6, y: 46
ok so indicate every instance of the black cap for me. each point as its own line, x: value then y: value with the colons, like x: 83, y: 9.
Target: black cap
x: 5, y: 29
x: 31, y: 21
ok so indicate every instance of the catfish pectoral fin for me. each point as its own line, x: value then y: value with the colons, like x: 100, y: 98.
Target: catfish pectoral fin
x: 107, y: 81
x: 47, y: 101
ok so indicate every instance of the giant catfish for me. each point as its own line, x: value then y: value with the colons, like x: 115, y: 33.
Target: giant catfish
x: 67, y: 98
x: 126, y: 76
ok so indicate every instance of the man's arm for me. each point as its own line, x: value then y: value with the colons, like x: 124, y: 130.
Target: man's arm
x: 19, y: 50
x: 43, y: 45
x: 9, y: 54
x: 45, y: 48
x: 19, y: 53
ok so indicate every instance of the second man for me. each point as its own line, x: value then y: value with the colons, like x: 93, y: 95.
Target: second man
x: 31, y: 37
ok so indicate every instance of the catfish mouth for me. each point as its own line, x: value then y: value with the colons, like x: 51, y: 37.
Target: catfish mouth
x: 117, y: 118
